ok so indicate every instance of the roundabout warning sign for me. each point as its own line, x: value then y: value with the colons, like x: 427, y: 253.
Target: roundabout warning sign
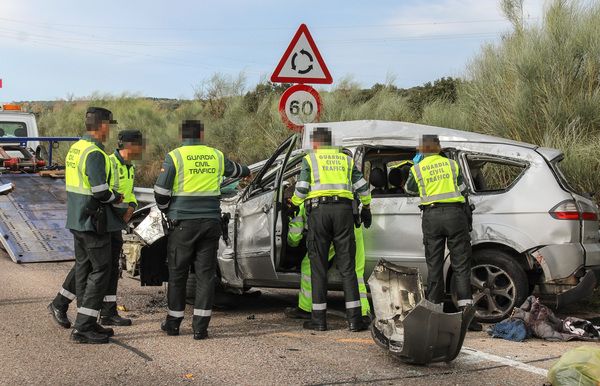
x: 298, y: 105
x: 302, y: 61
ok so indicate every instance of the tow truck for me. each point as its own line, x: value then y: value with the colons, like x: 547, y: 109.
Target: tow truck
x: 33, y: 216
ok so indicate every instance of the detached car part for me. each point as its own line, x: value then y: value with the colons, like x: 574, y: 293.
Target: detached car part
x: 145, y: 248
x: 406, y: 324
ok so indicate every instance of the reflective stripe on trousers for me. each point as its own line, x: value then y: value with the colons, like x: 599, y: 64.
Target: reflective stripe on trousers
x: 176, y: 314
x: 88, y: 312
x: 200, y: 312
x: 69, y: 295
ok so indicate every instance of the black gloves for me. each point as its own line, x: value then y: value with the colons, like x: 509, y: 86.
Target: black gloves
x: 365, y: 217
x: 292, y: 209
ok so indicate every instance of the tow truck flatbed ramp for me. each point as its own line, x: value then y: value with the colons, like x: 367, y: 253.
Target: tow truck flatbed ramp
x: 33, y: 218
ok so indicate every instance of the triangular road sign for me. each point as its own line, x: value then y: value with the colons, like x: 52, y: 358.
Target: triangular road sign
x: 302, y: 62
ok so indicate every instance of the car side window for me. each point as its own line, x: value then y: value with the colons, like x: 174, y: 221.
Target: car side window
x: 493, y: 175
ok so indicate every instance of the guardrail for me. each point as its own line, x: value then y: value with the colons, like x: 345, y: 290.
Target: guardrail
x: 22, y: 141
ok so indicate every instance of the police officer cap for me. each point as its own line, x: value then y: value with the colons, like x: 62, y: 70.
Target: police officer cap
x: 95, y: 115
x: 134, y: 136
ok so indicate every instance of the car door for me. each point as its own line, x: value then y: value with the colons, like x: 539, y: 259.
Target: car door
x: 257, y: 218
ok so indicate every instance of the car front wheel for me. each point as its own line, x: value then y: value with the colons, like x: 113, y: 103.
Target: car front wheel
x: 499, y: 284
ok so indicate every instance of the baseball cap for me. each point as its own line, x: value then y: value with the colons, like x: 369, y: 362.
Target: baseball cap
x: 132, y: 136
x: 95, y: 115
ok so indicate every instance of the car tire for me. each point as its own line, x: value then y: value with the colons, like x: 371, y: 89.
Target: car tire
x: 499, y: 284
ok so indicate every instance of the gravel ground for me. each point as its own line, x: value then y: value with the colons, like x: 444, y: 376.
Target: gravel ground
x: 251, y: 344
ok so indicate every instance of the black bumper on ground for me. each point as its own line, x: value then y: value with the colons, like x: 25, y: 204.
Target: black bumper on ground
x: 585, y: 288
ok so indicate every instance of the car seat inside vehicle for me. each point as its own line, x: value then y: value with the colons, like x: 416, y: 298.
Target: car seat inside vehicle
x: 378, y: 179
x: 397, y: 178
x: 387, y: 170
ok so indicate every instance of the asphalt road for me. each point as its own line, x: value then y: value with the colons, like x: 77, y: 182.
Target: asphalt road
x: 252, y: 344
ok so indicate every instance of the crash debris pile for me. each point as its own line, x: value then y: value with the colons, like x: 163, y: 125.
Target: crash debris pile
x: 407, y: 325
x: 534, y: 319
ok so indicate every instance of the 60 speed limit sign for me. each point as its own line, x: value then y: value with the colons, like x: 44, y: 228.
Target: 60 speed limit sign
x: 298, y: 105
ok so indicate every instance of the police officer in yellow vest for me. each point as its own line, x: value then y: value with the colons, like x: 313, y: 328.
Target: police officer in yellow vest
x: 438, y: 181
x: 326, y: 184
x: 87, y: 171
x: 188, y: 191
x: 121, y: 180
x: 130, y: 148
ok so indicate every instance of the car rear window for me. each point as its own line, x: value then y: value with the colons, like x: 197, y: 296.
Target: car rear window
x: 560, y: 175
x: 13, y: 129
x: 493, y: 175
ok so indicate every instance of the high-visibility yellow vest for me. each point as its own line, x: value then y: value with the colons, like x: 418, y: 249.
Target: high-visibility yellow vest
x: 403, y: 163
x: 198, y: 170
x: 436, y: 177
x: 330, y: 174
x: 121, y: 180
x: 76, y: 179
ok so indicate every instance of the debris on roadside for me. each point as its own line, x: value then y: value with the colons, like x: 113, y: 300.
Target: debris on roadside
x: 510, y: 329
x: 157, y: 303
x: 580, y: 366
x: 533, y: 319
x: 122, y: 308
x: 411, y: 328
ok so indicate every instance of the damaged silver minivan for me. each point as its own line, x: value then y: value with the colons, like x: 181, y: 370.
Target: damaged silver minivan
x: 532, y: 233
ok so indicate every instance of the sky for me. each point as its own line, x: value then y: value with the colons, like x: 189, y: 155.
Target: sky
x: 72, y: 48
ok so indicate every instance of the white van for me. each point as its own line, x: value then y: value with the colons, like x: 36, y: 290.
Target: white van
x: 16, y: 123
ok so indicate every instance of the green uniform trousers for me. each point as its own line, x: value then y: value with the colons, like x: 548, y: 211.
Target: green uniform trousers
x: 447, y: 224
x: 67, y: 293
x: 305, y: 296
x: 193, y: 242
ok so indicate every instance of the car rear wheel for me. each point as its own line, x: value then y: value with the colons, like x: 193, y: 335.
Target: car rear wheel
x: 499, y: 284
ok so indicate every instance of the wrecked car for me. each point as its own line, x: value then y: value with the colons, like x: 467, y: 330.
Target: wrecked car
x: 532, y: 232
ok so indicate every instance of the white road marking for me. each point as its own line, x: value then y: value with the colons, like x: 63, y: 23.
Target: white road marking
x: 504, y: 361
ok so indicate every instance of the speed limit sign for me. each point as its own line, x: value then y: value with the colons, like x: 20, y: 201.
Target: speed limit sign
x: 298, y: 105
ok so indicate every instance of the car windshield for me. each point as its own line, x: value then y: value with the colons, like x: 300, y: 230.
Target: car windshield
x: 13, y: 129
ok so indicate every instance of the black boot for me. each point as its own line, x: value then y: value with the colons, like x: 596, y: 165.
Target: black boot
x: 199, y: 335
x: 355, y: 320
x: 296, y: 313
x: 318, y: 321
x: 91, y: 337
x: 171, y: 325
x: 115, y: 320
x: 59, y: 316
x: 104, y: 330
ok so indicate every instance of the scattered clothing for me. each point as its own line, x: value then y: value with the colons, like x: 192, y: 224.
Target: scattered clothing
x: 581, y: 327
x: 540, y: 322
x: 510, y: 329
